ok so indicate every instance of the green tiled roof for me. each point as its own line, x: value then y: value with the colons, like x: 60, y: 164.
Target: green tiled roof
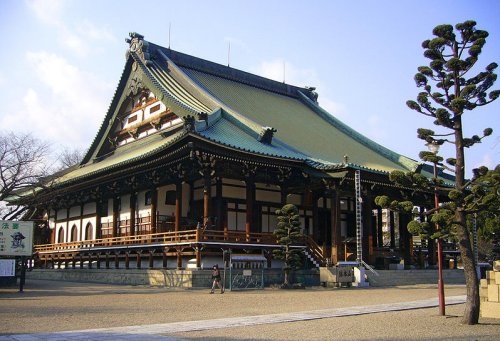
x: 245, y: 103
x: 230, y: 134
x: 297, y: 124
x: 123, y: 155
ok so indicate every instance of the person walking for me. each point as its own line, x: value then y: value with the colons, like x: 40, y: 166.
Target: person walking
x: 216, y: 279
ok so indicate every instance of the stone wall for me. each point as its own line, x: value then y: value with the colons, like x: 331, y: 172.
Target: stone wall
x: 162, y: 277
x: 489, y: 292
x: 409, y: 277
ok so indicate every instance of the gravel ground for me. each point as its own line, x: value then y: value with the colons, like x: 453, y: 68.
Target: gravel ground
x: 48, y: 306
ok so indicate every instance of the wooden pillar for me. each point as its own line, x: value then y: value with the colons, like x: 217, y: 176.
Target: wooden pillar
x: 116, y: 218
x: 133, y: 202
x: 391, y: 228
x: 117, y: 260
x: 198, y: 257
x: 178, y: 205
x: 106, y: 260
x: 179, y: 258
x: 380, y: 232
x: 325, y: 234
x: 284, y: 194
x: 151, y: 259
x: 81, y: 223
x: 127, y: 259
x: 53, y: 234
x: 67, y: 235
x: 98, y: 214
x: 154, y: 209
x: 206, y: 200
x: 220, y: 213
x: 335, y: 227
x: 315, y: 213
x: 250, y: 202
x: 164, y: 258
x: 139, y: 259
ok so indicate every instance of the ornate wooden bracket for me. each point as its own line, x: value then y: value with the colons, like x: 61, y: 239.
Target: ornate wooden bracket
x: 153, y: 177
x: 206, y: 163
x: 115, y: 188
x: 284, y: 174
x: 249, y: 171
x: 139, y: 46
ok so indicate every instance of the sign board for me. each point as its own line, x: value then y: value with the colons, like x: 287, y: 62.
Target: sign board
x: 7, y: 267
x: 16, y: 238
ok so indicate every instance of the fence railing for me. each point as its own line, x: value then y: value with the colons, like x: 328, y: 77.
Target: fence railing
x: 164, y: 238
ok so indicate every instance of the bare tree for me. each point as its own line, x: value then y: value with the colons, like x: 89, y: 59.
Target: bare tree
x: 22, y: 163
x: 70, y: 157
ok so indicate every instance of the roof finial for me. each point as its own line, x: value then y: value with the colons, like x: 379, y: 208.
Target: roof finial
x: 169, y: 28
x: 228, y: 52
x: 283, y: 72
x: 139, y: 46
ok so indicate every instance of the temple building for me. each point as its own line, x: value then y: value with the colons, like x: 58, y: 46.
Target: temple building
x: 193, y: 158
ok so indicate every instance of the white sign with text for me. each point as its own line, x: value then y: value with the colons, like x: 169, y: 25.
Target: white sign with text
x: 16, y: 238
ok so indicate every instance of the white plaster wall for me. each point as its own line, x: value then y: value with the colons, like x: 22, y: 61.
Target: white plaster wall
x: 52, y: 223
x: 75, y: 222
x: 64, y: 227
x: 164, y: 209
x: 125, y: 207
x: 148, y: 114
x: 234, y: 192
x: 294, y: 199
x: 143, y: 210
x: 92, y: 221
x: 267, y: 196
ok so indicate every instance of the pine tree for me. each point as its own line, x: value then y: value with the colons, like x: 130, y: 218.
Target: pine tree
x: 448, y: 95
x: 288, y: 233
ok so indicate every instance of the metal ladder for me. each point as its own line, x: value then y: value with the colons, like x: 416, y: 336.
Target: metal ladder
x: 359, y: 220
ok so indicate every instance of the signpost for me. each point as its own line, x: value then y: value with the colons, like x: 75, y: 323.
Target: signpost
x: 16, y: 239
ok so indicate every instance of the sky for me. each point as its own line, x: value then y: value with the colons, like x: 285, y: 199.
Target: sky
x: 62, y: 59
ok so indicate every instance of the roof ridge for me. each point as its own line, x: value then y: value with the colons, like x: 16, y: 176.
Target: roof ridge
x: 227, y: 72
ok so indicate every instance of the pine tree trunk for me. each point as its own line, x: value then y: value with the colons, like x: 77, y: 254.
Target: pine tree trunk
x: 471, y: 312
x: 472, y: 304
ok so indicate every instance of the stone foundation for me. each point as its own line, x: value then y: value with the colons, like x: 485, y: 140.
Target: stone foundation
x: 162, y: 277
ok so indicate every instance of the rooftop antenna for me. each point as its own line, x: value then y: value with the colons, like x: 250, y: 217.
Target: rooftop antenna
x: 169, y: 28
x: 228, y: 52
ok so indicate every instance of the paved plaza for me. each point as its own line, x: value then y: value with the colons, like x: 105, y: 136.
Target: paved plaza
x: 77, y: 311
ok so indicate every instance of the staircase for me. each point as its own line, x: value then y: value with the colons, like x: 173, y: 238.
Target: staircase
x: 314, y: 252
x: 311, y: 258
